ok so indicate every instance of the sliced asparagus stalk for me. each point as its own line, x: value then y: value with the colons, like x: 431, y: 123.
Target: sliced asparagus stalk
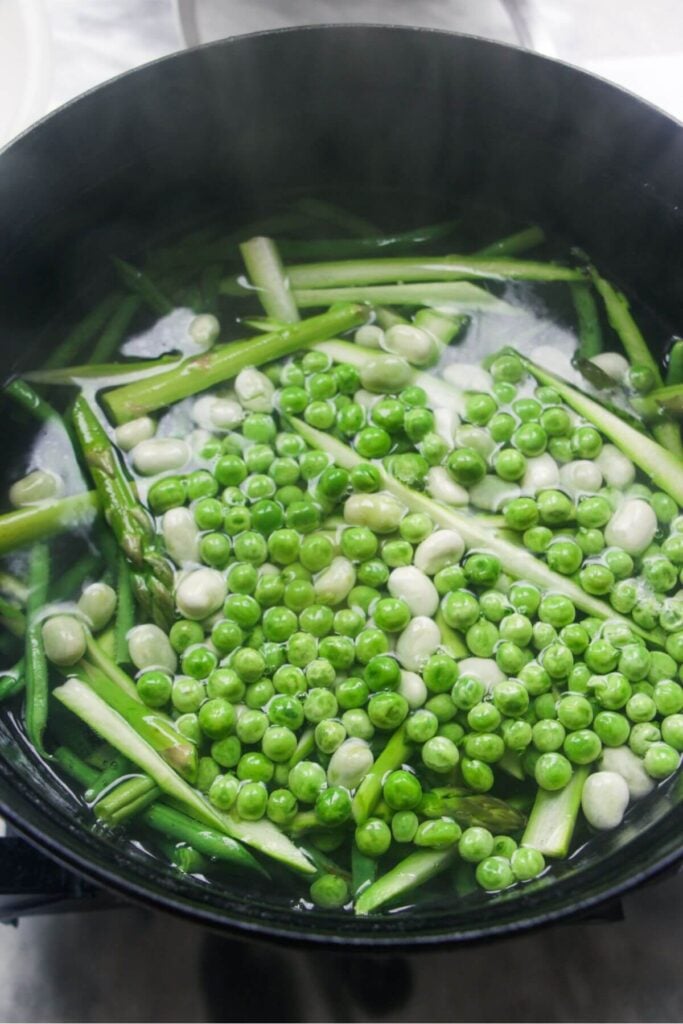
x: 107, y: 723
x: 447, y: 296
x: 267, y: 275
x: 36, y: 671
x: 35, y: 522
x: 368, y: 793
x: 198, y: 374
x: 551, y: 823
x: 345, y: 273
x: 472, y: 809
x: 126, y: 800
x: 590, y: 332
x: 410, y: 873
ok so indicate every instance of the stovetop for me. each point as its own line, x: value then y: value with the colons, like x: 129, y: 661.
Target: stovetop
x: 122, y: 963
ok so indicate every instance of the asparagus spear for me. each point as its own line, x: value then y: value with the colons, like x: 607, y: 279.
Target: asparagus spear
x: 36, y: 708
x: 590, y: 332
x: 154, y: 727
x: 381, y: 245
x: 368, y: 793
x: 471, y: 809
x: 528, y: 238
x: 518, y: 562
x: 345, y: 273
x: 107, y: 723
x: 448, y: 296
x: 198, y: 374
x: 205, y: 840
x: 553, y: 817
x: 414, y: 870
x: 674, y: 373
x: 143, y: 286
x: 152, y: 575
x: 127, y: 799
x: 267, y: 276
x: 100, y: 374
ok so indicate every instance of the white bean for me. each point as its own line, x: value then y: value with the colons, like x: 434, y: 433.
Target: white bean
x: 132, y: 433
x: 181, y: 535
x: 617, y: 469
x: 441, y: 486
x: 98, y: 604
x: 613, y: 364
x: 369, y: 335
x: 64, y: 640
x: 39, y: 485
x: 468, y: 377
x: 149, y: 647
x: 624, y: 762
x: 226, y: 414
x: 414, y: 344
x: 199, y: 438
x: 469, y: 436
x: 159, y: 455
x: 419, y: 640
x: 350, y: 763
x: 632, y: 527
x: 204, y: 330
x: 484, y: 669
x: 441, y: 548
x: 200, y: 593
x: 413, y: 688
x: 201, y: 411
x: 381, y: 512
x: 446, y: 422
x: 385, y: 373
x: 491, y: 493
x: 415, y: 588
x: 541, y: 472
x: 604, y: 799
x: 582, y: 476
x: 334, y: 583
x: 254, y: 390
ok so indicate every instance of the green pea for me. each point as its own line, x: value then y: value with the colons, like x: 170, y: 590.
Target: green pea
x: 611, y: 728
x: 672, y: 731
x: 508, y: 368
x: 564, y: 556
x: 510, y: 465
x: 554, y: 507
x: 484, y: 746
x: 370, y: 643
x: 184, y: 634
x: 442, y: 706
x: 466, y: 466
x: 531, y: 439
x: 357, y: 724
x: 525, y: 598
x: 154, y: 688
x: 252, y: 800
x: 460, y: 609
x: 440, y: 834
x: 510, y: 698
x: 582, y: 746
x: 382, y: 672
x: 348, y: 622
x: 227, y: 752
x: 593, y: 512
x: 306, y: 780
x: 661, y: 760
x: 482, y: 638
x: 198, y: 662
x: 575, y: 637
x: 333, y: 483
x: 475, y: 844
x: 477, y: 775
x: 643, y: 735
x: 494, y: 874
x: 537, y: 539
x: 440, y: 754
x: 548, y: 735
x: 396, y: 553
x: 601, y: 656
x: 387, y: 710
x: 521, y: 514
x: 373, y: 837
x: 319, y: 704
x: 329, y: 735
x: 527, y: 863
x: 320, y: 674
x: 517, y: 735
x: 373, y: 443
x: 553, y: 771
x: 301, y: 649
x: 402, y: 790
x: 391, y: 614
x: 169, y: 492
x: 333, y: 806
x: 440, y: 673
x: 501, y: 427
x: 421, y: 726
x: 404, y: 825
x: 641, y: 708
x: 574, y: 712
x: 365, y: 478
x: 586, y: 443
x: 544, y: 635
x: 534, y: 678
x: 557, y: 660
x: 416, y: 527
x: 591, y: 542
x: 359, y: 543
x: 511, y: 658
x: 298, y: 595
x: 484, y: 717
x: 482, y: 570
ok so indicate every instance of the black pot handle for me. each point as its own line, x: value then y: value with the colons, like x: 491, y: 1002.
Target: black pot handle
x: 32, y: 883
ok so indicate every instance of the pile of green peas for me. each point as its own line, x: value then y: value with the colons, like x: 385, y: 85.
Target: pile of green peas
x: 273, y: 685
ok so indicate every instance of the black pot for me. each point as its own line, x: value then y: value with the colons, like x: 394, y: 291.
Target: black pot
x: 411, y: 124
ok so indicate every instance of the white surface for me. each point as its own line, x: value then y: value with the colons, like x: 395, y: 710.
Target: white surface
x: 25, y: 65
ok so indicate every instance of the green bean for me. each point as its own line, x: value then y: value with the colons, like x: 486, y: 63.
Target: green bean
x: 82, y: 333
x: 674, y: 373
x: 12, y: 681
x: 125, y: 612
x: 127, y: 799
x: 143, y: 286
x: 206, y: 841
x: 112, y: 336
x: 113, y: 771
x: 521, y: 241
x: 590, y: 332
x: 25, y: 396
x: 74, y: 767
x: 363, y: 871
x: 36, y: 709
